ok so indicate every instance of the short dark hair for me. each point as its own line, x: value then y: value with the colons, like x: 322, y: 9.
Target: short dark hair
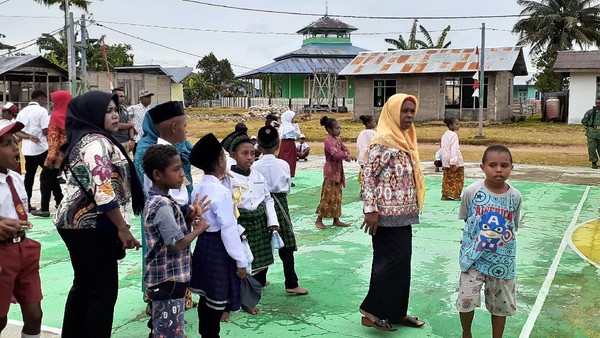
x: 498, y: 148
x: 158, y: 157
x: 366, y: 119
x: 327, y: 122
x: 38, y: 93
x: 118, y: 89
x: 450, y: 120
x: 241, y: 127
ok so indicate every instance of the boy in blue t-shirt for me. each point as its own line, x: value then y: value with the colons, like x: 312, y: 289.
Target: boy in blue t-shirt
x: 491, y: 210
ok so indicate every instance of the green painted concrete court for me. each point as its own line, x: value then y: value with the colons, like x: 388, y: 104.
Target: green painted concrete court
x: 558, y: 288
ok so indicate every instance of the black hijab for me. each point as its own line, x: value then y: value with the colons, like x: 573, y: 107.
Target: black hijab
x: 85, y: 115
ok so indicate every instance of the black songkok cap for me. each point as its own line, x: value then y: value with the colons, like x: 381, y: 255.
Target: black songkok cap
x: 165, y: 111
x: 205, y: 152
x: 268, y: 137
x: 233, y: 140
x: 271, y: 117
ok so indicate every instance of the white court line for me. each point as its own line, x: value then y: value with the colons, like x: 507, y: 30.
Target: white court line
x: 44, y: 327
x: 543, y: 293
x: 576, y: 249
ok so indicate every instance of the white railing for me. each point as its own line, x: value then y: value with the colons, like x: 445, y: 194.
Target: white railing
x: 297, y: 104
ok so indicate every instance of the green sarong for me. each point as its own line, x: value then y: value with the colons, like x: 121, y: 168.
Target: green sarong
x: 259, y: 238
x: 284, y: 219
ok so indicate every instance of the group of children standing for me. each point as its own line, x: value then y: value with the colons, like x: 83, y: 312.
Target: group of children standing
x: 248, y: 201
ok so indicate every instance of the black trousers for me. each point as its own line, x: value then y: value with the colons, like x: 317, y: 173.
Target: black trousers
x: 287, y: 258
x: 91, y: 301
x: 261, y: 276
x: 209, y: 325
x: 48, y: 180
x: 389, y: 288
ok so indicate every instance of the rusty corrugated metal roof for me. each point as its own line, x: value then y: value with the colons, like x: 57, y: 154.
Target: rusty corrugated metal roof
x: 324, y: 50
x: 327, y: 23
x: 299, y: 66
x: 436, y: 61
x: 577, y: 60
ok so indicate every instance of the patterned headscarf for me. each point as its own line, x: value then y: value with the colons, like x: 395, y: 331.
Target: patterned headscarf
x: 389, y: 133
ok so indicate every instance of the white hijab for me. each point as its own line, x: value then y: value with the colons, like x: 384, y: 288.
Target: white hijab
x: 286, y: 123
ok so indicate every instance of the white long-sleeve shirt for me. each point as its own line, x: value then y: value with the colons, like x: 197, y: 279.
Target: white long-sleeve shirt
x: 179, y: 195
x: 276, y: 173
x: 451, y: 154
x: 254, y: 192
x: 220, y: 216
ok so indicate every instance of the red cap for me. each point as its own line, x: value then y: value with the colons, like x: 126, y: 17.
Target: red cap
x: 10, y: 107
x: 11, y: 128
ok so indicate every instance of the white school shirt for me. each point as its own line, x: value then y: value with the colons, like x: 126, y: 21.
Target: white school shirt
x: 302, y: 147
x: 254, y: 192
x: 220, y: 216
x: 362, y: 144
x: 36, y: 119
x: 179, y: 195
x: 276, y: 173
x: 7, y: 206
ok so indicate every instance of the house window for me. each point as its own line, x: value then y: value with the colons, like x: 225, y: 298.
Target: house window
x: 453, y: 93
x: 382, y: 90
x: 341, y: 88
x: 598, y: 86
x: 467, y: 99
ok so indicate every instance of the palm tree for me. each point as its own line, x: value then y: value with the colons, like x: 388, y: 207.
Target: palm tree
x: 83, y: 4
x: 412, y: 43
x: 440, y: 43
x: 558, y: 24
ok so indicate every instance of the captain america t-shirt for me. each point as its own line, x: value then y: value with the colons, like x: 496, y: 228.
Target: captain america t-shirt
x: 491, y: 220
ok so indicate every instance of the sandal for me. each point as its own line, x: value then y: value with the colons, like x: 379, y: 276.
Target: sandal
x: 411, y: 321
x: 379, y: 324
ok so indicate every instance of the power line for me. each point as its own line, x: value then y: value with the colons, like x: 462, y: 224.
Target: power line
x: 357, y: 16
x: 31, y: 42
x: 160, y: 45
x: 262, y: 33
x: 3, y: 2
x: 28, y: 16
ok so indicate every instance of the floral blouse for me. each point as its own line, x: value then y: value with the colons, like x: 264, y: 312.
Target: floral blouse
x: 56, y: 138
x: 388, y: 186
x: 335, y: 153
x: 102, y: 170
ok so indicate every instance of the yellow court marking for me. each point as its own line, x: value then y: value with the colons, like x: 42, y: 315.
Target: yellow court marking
x: 586, y: 238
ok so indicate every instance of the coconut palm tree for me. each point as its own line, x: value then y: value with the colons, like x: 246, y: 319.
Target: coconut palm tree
x: 558, y: 24
x: 83, y: 4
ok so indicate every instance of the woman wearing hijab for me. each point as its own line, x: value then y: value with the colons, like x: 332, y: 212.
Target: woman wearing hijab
x: 289, y: 131
x: 90, y: 220
x: 392, y: 166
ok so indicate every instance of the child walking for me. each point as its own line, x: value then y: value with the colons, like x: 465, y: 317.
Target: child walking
x: 254, y: 203
x: 168, y: 239
x: 364, y: 140
x: 19, y: 255
x: 491, y: 210
x: 452, y: 162
x: 218, y: 262
x: 278, y: 180
x: 333, y: 175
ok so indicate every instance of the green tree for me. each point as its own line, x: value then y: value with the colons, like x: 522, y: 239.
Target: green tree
x: 558, y: 24
x: 550, y: 26
x: 197, y: 87
x: 216, y: 71
x: 56, y: 51
x: 414, y: 43
x: 441, y: 41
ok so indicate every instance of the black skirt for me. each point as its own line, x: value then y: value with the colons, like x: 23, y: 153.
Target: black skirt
x: 214, y: 273
x: 389, y: 288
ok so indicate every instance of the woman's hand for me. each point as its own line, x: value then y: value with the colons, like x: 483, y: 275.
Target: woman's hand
x: 241, y: 272
x: 370, y: 223
x: 129, y: 242
x: 454, y: 167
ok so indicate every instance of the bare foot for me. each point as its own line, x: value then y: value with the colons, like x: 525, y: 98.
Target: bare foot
x: 267, y: 283
x: 340, y: 224
x: 297, y: 290
x: 320, y: 225
x: 253, y: 312
x: 225, y: 317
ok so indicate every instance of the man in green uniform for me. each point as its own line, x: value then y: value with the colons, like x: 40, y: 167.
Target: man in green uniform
x: 591, y: 121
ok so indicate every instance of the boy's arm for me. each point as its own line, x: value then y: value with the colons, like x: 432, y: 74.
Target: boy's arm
x: 170, y: 231
x: 198, y: 228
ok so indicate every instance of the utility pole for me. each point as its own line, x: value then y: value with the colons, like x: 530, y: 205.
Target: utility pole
x: 481, y: 82
x: 83, y: 46
x: 72, y: 55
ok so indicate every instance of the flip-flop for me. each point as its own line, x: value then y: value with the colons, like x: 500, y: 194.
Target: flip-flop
x: 411, y: 321
x: 380, y: 324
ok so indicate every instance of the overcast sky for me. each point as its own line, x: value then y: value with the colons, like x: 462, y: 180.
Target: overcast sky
x: 255, y: 50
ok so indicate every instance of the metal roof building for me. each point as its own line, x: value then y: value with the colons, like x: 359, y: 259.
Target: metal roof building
x: 442, y: 79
